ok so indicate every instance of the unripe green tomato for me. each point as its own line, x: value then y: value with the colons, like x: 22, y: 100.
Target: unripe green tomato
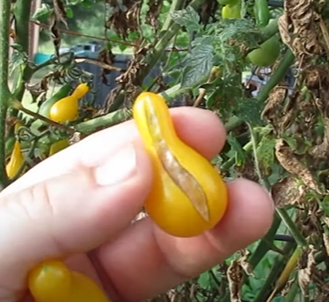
x: 267, y: 54
x: 232, y: 11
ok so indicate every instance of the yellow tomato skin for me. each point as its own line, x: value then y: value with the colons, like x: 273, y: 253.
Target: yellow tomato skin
x: 58, y: 146
x: 16, y: 160
x: 80, y: 91
x: 67, y: 109
x: 52, y: 281
x: 169, y: 203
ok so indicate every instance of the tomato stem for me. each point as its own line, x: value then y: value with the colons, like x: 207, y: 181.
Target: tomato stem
x: 5, y: 94
x: 277, y: 76
x: 21, y: 12
x: 103, y: 121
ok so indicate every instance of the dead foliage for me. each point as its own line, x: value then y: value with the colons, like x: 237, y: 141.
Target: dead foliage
x: 299, y: 28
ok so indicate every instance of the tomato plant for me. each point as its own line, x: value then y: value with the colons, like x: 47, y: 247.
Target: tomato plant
x: 210, y: 55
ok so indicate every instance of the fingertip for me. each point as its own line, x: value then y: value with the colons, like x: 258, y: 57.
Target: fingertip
x: 205, y: 133
x: 248, y: 218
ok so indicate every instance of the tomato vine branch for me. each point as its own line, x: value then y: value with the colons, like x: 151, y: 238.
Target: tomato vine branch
x: 22, y: 18
x: 5, y: 95
x: 277, y: 76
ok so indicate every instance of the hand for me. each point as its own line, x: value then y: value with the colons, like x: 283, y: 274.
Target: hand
x: 79, y: 204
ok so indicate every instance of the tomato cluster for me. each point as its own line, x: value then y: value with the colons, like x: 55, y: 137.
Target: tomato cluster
x: 269, y: 51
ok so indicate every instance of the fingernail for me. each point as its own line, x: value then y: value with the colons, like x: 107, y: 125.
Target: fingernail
x: 118, y: 167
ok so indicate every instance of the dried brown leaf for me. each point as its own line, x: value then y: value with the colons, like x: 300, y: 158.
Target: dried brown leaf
x: 287, y: 192
x: 55, y: 34
x: 322, y: 150
x: 235, y: 280
x: 124, y: 17
x: 298, y: 27
x: 287, y: 287
x: 274, y: 105
x: 326, y: 242
x: 246, y: 266
x: 289, y: 162
x: 76, y: 137
x: 152, y: 15
x: 306, y: 268
x: 60, y: 12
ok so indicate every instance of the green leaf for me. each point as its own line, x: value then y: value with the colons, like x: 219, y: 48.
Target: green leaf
x: 265, y: 152
x: 188, y: 18
x: 237, y: 149
x: 198, y: 64
x: 69, y: 12
x: 43, y: 12
x: 18, y: 59
x: 249, y: 110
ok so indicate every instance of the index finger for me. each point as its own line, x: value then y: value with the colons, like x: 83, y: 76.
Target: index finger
x: 201, y: 129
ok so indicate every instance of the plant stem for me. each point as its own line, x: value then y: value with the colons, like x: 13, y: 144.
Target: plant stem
x: 292, y: 227
x: 277, y: 76
x: 175, y: 5
x: 22, y: 18
x: 270, y: 30
x: 264, y: 182
x: 275, y: 273
x: 5, y: 95
x: 164, y: 41
x: 102, y: 122
x: 263, y: 246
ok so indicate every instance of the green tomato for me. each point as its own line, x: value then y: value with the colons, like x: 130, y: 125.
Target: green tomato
x: 266, y: 54
x: 232, y: 11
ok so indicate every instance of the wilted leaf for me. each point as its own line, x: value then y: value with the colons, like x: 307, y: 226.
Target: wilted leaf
x: 306, y: 266
x: 287, y: 191
x: 55, y: 34
x: 187, y: 17
x: 289, y: 162
x: 246, y: 266
x: 326, y: 242
x: 152, y: 16
x: 60, y: 12
x: 235, y: 280
x: 298, y: 27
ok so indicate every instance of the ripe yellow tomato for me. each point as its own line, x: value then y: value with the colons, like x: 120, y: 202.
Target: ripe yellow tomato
x: 65, y: 110
x: 16, y: 160
x: 188, y: 195
x: 80, y: 91
x: 52, y: 281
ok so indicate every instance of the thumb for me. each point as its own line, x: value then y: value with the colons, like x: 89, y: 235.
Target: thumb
x: 71, y: 213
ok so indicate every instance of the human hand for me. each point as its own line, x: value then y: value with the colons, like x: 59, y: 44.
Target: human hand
x: 79, y: 205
